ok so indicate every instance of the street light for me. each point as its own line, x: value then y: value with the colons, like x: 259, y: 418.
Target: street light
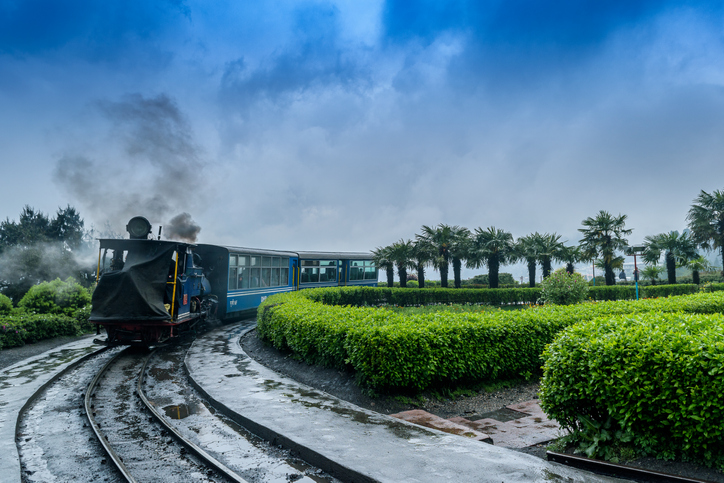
x: 633, y: 251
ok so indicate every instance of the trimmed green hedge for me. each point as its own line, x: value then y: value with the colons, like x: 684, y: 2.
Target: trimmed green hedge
x: 389, y: 350
x: 21, y: 328
x: 374, y: 296
x: 656, y: 380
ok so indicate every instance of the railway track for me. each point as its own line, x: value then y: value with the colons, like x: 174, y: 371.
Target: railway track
x: 147, y: 438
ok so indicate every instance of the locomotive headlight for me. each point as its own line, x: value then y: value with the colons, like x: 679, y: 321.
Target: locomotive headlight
x: 138, y: 228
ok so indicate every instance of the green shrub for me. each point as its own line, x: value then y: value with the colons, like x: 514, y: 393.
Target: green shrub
x: 6, y: 305
x: 28, y: 328
x: 391, y: 350
x: 655, y: 379
x: 564, y: 288
x: 56, y: 297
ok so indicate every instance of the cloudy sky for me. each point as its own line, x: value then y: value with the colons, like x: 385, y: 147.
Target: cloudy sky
x: 346, y: 125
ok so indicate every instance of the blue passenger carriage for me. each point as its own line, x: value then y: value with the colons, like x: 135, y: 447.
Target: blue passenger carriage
x: 242, y: 278
x: 332, y: 269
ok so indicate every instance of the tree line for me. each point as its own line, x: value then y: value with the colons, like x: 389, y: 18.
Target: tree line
x: 39, y: 248
x: 603, y: 242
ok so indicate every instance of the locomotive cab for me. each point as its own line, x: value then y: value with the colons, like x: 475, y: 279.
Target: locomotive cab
x: 148, y: 290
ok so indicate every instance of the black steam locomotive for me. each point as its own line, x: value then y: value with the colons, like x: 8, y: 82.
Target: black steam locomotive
x: 149, y: 291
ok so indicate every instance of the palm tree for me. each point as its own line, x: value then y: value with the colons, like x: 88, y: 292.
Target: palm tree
x: 421, y: 255
x: 678, y: 249
x: 571, y: 256
x: 706, y: 221
x: 439, y: 239
x: 401, y: 254
x: 383, y: 260
x: 526, y: 248
x: 550, y: 248
x: 493, y: 248
x: 652, y: 272
x: 602, y: 236
x: 459, y: 251
x: 697, y: 265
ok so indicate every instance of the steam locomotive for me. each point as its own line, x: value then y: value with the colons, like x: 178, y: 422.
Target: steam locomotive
x: 150, y: 291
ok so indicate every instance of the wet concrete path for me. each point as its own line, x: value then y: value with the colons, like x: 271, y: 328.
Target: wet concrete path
x: 18, y: 383
x: 351, y: 443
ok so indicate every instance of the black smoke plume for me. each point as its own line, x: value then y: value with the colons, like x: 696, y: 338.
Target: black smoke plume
x: 182, y: 227
x: 145, y: 163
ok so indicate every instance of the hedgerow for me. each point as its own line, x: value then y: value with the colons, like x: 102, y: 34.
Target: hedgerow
x: 17, y: 330
x: 654, y: 380
x: 388, y: 350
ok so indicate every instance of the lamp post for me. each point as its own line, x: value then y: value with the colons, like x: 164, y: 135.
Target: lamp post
x: 633, y: 251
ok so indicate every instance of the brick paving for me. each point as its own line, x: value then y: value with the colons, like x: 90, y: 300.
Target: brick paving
x: 531, y: 428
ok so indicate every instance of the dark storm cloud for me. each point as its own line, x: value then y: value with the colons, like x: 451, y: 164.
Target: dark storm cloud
x: 150, y: 164
x: 93, y: 28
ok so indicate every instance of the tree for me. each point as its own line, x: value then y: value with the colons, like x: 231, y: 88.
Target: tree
x: 602, y: 236
x: 550, y: 247
x: 401, y: 253
x: 526, y: 248
x: 440, y: 240
x: 422, y: 255
x: 678, y: 248
x: 697, y: 265
x: 459, y: 250
x: 492, y: 247
x: 652, y: 272
x: 37, y: 249
x: 383, y: 260
x: 571, y: 255
x: 706, y: 221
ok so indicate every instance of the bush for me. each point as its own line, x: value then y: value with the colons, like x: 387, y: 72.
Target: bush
x: 56, y: 297
x: 28, y: 328
x: 564, y: 288
x: 6, y: 305
x: 390, y: 350
x: 653, y: 379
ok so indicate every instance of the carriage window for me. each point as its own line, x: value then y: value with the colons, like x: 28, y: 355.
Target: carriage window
x: 232, y: 278
x: 314, y: 271
x: 247, y: 271
x: 362, y: 270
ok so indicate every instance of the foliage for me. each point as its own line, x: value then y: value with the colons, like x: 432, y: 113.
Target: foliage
x: 6, y: 305
x: 332, y: 326
x: 504, y: 279
x: 56, y: 297
x: 17, y: 330
x: 564, y: 288
x: 678, y: 250
x: 706, y: 221
x: 550, y: 248
x: 492, y: 247
x: 38, y: 248
x: 526, y: 248
x: 439, y: 242
x: 652, y: 377
x: 401, y: 253
x: 602, y: 236
x: 382, y: 257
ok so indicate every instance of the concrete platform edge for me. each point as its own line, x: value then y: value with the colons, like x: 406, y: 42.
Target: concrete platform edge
x: 334, y: 468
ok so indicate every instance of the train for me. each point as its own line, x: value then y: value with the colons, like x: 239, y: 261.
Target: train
x: 150, y: 291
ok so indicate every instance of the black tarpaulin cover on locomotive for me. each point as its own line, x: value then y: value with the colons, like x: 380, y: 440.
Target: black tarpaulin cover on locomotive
x: 135, y: 292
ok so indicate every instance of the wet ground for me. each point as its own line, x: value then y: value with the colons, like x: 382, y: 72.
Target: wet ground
x: 252, y: 458
x: 55, y: 442
x: 350, y: 442
x: 490, y: 404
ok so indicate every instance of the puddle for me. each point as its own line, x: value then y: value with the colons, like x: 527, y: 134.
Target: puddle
x: 502, y: 415
x: 179, y: 411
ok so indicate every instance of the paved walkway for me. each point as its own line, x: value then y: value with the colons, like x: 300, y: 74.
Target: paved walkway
x: 18, y: 383
x: 350, y: 442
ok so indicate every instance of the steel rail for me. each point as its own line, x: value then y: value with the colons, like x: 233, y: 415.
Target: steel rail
x: 52, y: 380
x: 117, y: 460
x: 200, y: 453
x: 617, y: 470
